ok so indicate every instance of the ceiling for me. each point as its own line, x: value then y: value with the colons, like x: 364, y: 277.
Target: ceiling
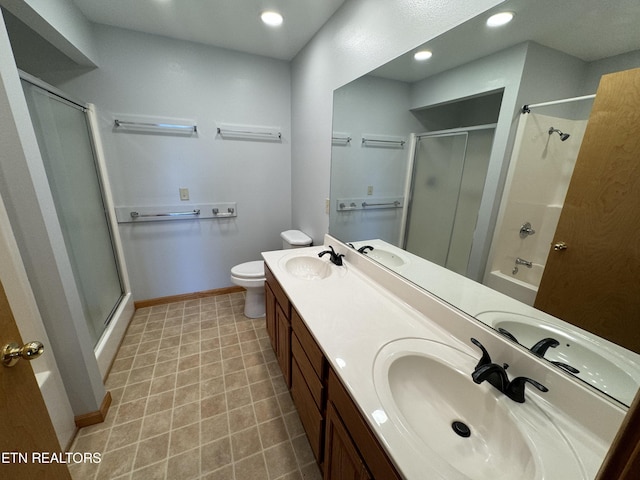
x: 232, y: 24
x: 586, y: 29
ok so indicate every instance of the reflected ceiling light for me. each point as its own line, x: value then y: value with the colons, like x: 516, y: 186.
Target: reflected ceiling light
x: 499, y: 19
x: 273, y: 19
x: 423, y: 55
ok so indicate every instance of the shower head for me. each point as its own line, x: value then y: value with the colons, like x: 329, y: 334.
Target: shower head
x: 563, y: 136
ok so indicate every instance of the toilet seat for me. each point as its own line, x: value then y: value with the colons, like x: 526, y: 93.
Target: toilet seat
x: 249, y: 270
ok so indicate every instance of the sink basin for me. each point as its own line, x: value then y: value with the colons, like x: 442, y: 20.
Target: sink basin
x: 598, y: 366
x: 308, y: 268
x: 386, y: 258
x: 425, y: 386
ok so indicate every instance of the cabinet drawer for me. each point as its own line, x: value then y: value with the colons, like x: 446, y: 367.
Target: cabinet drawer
x: 310, y: 417
x: 308, y: 344
x: 313, y: 382
x: 277, y: 290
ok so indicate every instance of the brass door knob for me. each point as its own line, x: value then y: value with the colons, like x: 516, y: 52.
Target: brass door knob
x: 559, y: 246
x: 12, y: 352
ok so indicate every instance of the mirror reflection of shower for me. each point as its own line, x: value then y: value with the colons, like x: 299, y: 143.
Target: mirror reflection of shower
x: 538, y: 178
x: 563, y: 136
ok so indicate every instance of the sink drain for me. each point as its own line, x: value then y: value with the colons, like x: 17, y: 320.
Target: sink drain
x: 461, y: 429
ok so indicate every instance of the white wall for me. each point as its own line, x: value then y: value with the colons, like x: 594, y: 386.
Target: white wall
x: 378, y: 107
x: 146, y: 75
x: 361, y: 36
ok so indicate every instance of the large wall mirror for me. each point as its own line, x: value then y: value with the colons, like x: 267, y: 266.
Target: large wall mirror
x: 437, y: 166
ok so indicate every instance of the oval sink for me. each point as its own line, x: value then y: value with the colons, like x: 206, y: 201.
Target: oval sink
x: 308, y: 268
x: 425, y: 387
x: 597, y: 365
x: 386, y: 258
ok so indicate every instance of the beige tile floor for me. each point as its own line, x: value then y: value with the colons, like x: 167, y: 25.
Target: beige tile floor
x: 197, y: 394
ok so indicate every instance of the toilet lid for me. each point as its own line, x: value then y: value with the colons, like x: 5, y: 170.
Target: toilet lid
x: 249, y: 269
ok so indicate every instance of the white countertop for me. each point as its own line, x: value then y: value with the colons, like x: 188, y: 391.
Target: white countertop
x: 352, y: 317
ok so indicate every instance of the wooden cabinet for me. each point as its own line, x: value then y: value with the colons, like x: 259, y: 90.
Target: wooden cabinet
x: 277, y: 312
x: 342, y: 460
x: 309, y: 369
x: 352, y: 450
x: 343, y: 444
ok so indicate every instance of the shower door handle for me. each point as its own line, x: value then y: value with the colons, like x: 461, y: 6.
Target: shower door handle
x: 559, y: 246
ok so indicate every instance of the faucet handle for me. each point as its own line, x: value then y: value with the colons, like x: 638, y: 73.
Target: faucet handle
x: 486, y: 358
x: 543, y: 345
x: 515, y: 389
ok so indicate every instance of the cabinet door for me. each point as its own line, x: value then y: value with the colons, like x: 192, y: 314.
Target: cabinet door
x: 270, y: 314
x: 283, y: 350
x: 341, y: 459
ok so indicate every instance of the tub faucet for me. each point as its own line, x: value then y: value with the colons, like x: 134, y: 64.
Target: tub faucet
x: 521, y: 261
x: 497, y: 376
x: 336, y: 258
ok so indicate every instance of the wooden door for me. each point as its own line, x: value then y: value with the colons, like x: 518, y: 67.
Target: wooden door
x: 595, y: 282
x: 24, y: 421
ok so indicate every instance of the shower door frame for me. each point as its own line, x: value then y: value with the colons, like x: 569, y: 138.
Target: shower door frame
x: 413, y: 144
x: 104, y: 347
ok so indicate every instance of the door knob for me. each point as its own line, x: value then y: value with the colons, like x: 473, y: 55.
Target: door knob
x: 12, y: 352
x: 559, y: 246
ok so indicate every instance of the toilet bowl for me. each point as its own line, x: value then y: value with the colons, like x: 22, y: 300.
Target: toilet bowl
x: 250, y: 275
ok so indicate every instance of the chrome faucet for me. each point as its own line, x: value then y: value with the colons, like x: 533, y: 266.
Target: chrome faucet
x: 526, y: 230
x: 521, y: 261
x: 497, y: 376
x: 336, y: 258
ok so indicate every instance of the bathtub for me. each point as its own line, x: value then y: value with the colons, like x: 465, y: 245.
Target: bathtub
x: 522, y: 286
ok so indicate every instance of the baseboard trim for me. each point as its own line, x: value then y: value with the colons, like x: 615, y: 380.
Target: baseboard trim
x: 187, y: 296
x: 92, y: 418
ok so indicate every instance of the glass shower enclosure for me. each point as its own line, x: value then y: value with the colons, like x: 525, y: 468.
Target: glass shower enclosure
x: 66, y: 147
x: 447, y: 180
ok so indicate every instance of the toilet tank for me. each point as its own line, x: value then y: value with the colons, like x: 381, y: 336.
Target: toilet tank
x: 295, y: 239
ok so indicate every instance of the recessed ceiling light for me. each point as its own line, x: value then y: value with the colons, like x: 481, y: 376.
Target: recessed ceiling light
x: 422, y: 55
x: 273, y: 19
x: 499, y: 19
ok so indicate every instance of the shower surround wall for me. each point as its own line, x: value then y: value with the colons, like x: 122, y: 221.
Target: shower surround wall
x: 541, y: 166
x: 162, y: 78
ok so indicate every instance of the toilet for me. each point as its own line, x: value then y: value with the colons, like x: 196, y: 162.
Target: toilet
x: 250, y: 275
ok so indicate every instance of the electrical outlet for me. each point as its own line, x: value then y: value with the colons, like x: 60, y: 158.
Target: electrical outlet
x: 327, y: 205
x: 370, y: 190
x: 184, y: 194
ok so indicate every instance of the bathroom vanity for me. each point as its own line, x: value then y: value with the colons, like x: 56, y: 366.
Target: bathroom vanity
x: 380, y: 371
x: 348, y: 449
